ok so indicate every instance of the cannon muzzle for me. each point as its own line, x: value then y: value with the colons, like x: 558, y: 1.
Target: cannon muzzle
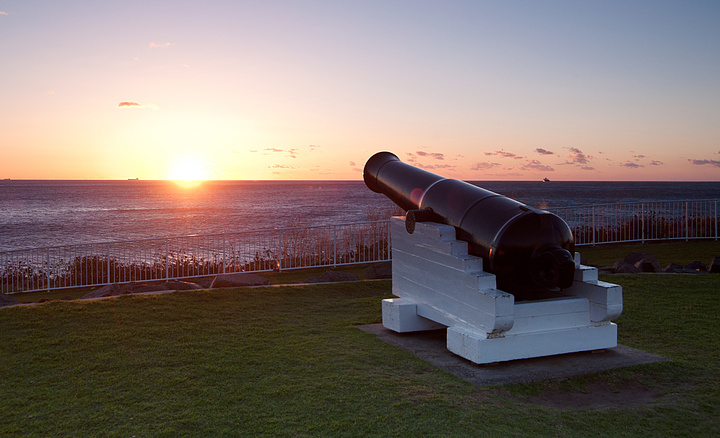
x: 529, y: 250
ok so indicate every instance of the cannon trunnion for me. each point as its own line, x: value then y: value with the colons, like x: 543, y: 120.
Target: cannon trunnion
x: 529, y: 250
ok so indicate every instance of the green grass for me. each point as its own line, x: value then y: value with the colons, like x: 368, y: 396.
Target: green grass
x: 289, y: 361
x: 679, y: 252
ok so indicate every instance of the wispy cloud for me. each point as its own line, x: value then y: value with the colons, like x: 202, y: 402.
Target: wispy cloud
x: 631, y: 165
x: 435, y: 155
x: 154, y: 45
x: 576, y: 156
x: 280, y: 166
x: 151, y: 106
x: 713, y: 163
x: 536, y: 165
x: 3, y: 13
x: 435, y: 166
x: 274, y: 150
x: 656, y: 163
x: 503, y: 154
x: 484, y: 165
x: 542, y: 151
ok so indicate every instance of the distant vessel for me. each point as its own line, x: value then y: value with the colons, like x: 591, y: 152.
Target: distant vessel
x: 546, y: 180
x: 133, y: 179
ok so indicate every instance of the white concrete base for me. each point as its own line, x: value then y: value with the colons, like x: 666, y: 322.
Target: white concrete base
x: 441, y: 285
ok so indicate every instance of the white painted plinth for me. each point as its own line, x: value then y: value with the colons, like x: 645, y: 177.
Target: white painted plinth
x: 440, y: 285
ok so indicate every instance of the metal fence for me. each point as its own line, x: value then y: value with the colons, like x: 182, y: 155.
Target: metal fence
x: 642, y: 221
x: 193, y: 256
x: 280, y: 249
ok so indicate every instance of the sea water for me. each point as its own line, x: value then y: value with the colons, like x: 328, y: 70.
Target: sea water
x: 50, y: 213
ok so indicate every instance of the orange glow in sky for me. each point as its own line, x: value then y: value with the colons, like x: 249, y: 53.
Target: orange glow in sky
x: 469, y: 89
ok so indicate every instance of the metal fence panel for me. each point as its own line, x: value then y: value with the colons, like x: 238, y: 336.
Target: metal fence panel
x: 192, y: 256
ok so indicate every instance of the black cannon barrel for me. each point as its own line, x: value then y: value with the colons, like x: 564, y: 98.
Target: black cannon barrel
x: 529, y: 250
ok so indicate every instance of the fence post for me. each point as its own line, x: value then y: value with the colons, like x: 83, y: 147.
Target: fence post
x: 223, y: 253
x: 47, y: 270
x: 109, y: 279
x: 716, y: 222
x: 280, y: 251
x: 334, y: 245
x: 687, y: 223
x: 642, y: 222
x: 593, y: 226
x: 167, y: 259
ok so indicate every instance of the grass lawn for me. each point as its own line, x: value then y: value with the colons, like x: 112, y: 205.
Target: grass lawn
x: 289, y: 361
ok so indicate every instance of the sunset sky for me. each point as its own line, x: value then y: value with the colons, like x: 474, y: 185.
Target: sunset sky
x: 477, y: 90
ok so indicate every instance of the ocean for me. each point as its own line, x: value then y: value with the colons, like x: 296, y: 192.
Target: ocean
x: 52, y: 213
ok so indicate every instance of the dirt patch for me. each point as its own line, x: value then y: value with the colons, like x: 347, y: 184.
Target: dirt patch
x: 597, y: 395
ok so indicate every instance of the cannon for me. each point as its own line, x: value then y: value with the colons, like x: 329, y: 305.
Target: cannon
x: 530, y: 251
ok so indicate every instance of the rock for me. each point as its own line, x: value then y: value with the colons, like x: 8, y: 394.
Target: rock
x: 109, y: 290
x: 634, y: 257
x: 238, y: 280
x: 648, y: 263
x: 137, y: 288
x: 674, y: 268
x: 181, y: 285
x: 623, y: 267
x: 379, y: 270
x: 7, y: 300
x: 696, y: 266
x: 333, y: 276
x: 714, y: 266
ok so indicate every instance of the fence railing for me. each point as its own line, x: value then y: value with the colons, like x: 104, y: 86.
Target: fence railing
x: 172, y: 258
x: 642, y: 221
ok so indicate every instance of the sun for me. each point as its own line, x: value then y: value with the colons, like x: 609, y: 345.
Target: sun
x: 187, y: 170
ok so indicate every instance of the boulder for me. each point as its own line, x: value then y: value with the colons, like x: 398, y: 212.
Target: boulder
x: 333, y: 276
x: 379, y: 270
x: 674, y: 268
x: 137, y: 288
x: 109, y: 290
x: 714, y: 267
x: 238, y: 280
x: 7, y: 300
x: 696, y: 266
x: 181, y: 285
x: 648, y: 263
x: 623, y: 267
x: 633, y: 257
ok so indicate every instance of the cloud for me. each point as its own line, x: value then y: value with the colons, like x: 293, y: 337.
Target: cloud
x: 542, y: 151
x: 536, y: 165
x: 435, y: 155
x: 713, y: 163
x: 51, y: 92
x: 631, y: 165
x: 154, y: 45
x: 637, y: 157
x: 280, y: 166
x: 151, y: 106
x: 435, y: 166
x: 352, y: 164
x: 483, y: 165
x: 503, y: 154
x: 656, y: 163
x: 587, y: 168
x: 577, y: 156
x: 3, y: 13
x: 273, y: 150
